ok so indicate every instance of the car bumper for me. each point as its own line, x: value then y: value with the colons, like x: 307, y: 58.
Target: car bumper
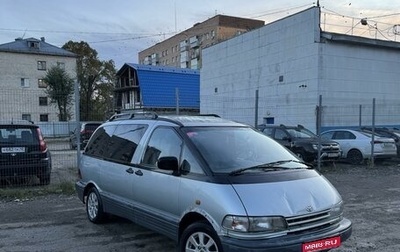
x: 80, y: 190
x: 287, y: 243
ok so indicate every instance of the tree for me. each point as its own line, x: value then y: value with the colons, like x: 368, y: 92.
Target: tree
x: 96, y: 80
x: 60, y: 89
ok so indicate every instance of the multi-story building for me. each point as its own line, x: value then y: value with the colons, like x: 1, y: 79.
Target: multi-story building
x: 184, y: 49
x: 23, y: 65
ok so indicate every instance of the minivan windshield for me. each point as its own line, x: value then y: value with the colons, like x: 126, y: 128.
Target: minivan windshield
x: 228, y: 149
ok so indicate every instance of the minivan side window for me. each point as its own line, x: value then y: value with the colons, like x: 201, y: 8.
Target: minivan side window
x: 124, y: 142
x: 98, y: 144
x: 164, y: 142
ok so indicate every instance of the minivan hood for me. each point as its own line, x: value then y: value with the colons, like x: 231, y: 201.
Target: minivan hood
x: 288, y: 198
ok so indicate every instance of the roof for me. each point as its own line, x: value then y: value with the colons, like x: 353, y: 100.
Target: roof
x: 34, y: 46
x: 351, y: 39
x: 158, y: 86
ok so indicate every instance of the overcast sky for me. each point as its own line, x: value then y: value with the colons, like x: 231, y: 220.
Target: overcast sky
x: 120, y: 29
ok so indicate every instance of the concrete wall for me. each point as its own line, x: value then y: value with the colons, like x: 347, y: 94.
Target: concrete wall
x: 280, y: 60
x: 291, y: 65
x: 16, y: 100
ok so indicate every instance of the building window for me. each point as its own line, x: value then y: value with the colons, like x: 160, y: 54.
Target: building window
x: 42, y: 83
x: 44, y: 117
x: 24, y: 82
x: 61, y: 65
x: 41, y: 65
x: 26, y: 117
x: 42, y: 101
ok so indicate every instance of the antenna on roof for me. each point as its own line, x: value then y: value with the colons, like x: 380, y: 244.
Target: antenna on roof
x: 24, y: 34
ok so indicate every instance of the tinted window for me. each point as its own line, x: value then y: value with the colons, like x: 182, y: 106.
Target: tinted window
x: 98, y: 144
x: 280, y: 134
x: 124, y: 141
x: 16, y: 135
x: 268, y: 131
x: 164, y: 142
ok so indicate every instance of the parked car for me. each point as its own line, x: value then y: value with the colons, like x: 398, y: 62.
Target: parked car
x: 302, y: 142
x: 85, y: 131
x: 356, y: 145
x: 23, y: 152
x: 210, y: 184
x: 386, y: 132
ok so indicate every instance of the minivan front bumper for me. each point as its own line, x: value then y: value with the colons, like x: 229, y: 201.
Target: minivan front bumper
x: 287, y: 243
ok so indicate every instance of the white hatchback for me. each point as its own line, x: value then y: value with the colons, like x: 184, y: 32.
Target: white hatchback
x: 356, y: 145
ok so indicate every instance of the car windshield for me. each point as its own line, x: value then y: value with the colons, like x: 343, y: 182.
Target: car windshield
x: 301, y: 133
x: 227, y: 149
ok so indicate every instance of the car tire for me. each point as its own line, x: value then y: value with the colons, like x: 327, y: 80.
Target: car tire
x: 355, y: 157
x: 200, y: 236
x: 94, y: 206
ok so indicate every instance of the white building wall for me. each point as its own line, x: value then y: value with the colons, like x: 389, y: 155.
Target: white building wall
x: 16, y: 100
x: 233, y: 70
x: 351, y: 77
x: 345, y: 75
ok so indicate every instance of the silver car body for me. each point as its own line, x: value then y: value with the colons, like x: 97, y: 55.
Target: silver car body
x: 163, y: 202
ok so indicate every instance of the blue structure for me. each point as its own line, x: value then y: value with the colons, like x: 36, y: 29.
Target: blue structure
x: 157, y: 87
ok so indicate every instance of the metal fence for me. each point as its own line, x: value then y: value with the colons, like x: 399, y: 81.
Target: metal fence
x: 317, y: 114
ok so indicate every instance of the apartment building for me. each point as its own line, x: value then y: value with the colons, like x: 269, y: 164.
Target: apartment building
x: 23, y: 65
x: 184, y: 49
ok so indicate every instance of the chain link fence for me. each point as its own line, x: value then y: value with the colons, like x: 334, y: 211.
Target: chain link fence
x: 32, y: 105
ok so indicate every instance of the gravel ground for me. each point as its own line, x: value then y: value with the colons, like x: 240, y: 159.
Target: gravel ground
x: 372, y: 203
x: 370, y: 194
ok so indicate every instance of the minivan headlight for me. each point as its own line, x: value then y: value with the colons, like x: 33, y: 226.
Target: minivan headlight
x: 254, y: 224
x: 337, y: 210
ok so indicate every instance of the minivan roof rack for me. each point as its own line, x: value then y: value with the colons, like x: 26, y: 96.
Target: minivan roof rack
x: 213, y: 115
x: 134, y: 114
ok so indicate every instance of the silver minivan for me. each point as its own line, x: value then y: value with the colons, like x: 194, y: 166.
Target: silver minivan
x: 210, y: 184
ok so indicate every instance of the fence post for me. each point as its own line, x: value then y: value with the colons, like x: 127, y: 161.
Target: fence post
x: 319, y: 113
x: 256, y: 111
x: 373, y: 133
x: 77, y: 124
x: 177, y: 100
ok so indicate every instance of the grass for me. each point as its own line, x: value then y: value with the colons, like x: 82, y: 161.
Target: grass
x: 26, y: 192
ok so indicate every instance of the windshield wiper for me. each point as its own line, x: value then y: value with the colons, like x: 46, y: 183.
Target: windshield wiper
x: 273, y: 166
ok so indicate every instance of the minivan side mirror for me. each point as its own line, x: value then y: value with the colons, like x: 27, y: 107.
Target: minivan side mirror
x: 168, y: 163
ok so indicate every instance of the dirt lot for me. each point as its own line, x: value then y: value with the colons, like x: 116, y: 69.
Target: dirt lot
x: 59, y: 223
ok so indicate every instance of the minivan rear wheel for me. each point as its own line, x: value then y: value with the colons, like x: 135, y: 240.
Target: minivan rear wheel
x: 94, y: 206
x: 200, y: 236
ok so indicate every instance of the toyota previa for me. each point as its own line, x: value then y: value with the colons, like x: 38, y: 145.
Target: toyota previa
x: 210, y: 184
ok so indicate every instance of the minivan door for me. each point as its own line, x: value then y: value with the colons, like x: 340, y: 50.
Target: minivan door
x: 156, y: 191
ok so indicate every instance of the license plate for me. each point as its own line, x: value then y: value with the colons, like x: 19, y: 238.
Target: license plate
x: 12, y: 149
x: 319, y: 245
x: 333, y: 154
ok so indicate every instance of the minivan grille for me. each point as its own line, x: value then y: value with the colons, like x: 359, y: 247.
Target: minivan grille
x: 309, y: 221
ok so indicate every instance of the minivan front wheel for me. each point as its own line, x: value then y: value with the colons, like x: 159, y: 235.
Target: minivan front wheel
x: 94, y: 207
x: 200, y: 236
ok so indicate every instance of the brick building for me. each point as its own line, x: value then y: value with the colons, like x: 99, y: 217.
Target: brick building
x: 184, y: 49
